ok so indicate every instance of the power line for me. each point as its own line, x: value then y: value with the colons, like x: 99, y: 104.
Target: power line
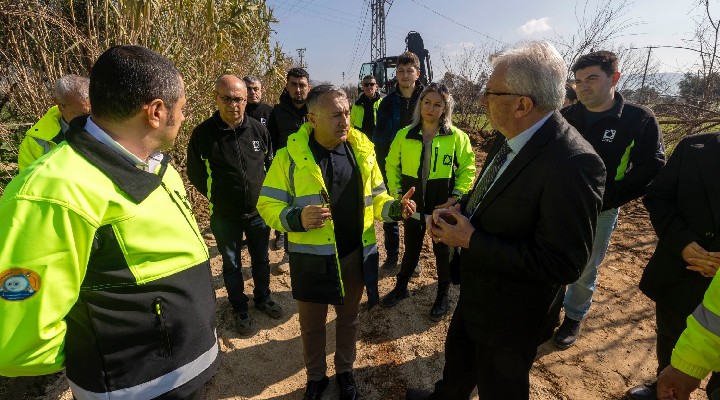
x: 356, y: 48
x: 456, y: 22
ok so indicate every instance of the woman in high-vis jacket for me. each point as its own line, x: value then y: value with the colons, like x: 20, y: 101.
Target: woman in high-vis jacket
x: 437, y: 159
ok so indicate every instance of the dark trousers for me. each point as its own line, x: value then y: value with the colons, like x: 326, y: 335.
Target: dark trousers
x: 390, y: 229
x: 228, y: 234
x: 313, y: 317
x: 413, y: 239
x: 670, y: 325
x: 498, y: 373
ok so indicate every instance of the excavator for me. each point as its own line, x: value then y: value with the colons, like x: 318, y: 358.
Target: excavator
x: 383, y: 69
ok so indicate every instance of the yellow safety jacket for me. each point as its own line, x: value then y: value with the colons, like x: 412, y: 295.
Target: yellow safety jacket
x: 40, y: 138
x: 451, y: 169
x: 357, y: 113
x: 295, y: 181
x: 697, y: 352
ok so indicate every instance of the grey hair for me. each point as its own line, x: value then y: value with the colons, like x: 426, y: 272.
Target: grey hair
x: 69, y: 85
x: 316, y: 93
x: 537, y: 70
x: 446, y: 117
x: 250, y: 79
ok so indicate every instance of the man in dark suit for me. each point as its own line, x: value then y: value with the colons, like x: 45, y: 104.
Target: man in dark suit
x: 684, y: 206
x: 525, y: 230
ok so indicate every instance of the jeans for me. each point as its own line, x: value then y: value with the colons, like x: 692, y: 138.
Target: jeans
x: 578, y: 297
x: 228, y: 234
x: 390, y: 229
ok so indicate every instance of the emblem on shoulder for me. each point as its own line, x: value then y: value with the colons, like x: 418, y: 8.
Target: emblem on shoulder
x: 18, y: 284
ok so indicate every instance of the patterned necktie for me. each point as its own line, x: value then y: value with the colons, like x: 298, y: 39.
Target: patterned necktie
x: 487, y: 179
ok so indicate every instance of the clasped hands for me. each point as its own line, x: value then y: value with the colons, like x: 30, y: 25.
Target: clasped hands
x: 314, y: 216
x: 447, y: 225
x: 704, y: 262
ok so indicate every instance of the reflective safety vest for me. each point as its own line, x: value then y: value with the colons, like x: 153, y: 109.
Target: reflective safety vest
x: 40, y: 138
x: 451, y: 169
x: 295, y: 180
x: 697, y: 352
x: 357, y: 113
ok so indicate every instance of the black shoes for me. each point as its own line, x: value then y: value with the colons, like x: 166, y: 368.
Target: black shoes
x: 243, y: 323
x: 418, y: 394
x: 567, y: 333
x: 270, y: 308
x: 314, y: 389
x: 442, y: 303
x: 646, y: 391
x: 279, y: 241
x: 346, y: 386
x: 398, y: 293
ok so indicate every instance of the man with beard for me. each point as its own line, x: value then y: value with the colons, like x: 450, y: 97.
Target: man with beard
x: 285, y: 119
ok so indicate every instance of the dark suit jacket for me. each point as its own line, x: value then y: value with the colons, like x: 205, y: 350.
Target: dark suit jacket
x: 684, y: 207
x: 534, y: 234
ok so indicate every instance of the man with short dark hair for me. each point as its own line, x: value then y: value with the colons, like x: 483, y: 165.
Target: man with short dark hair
x: 285, y: 119
x: 362, y: 113
x: 72, y: 99
x: 256, y: 107
x: 325, y: 190
x: 627, y: 137
x: 394, y: 113
x: 104, y: 270
x: 227, y: 157
x: 524, y: 231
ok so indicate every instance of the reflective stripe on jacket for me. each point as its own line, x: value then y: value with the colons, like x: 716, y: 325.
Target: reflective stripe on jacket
x: 452, y: 166
x: 295, y: 180
x: 697, y: 352
x: 39, y: 138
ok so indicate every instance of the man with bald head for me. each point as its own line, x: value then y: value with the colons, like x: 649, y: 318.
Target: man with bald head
x: 228, y: 155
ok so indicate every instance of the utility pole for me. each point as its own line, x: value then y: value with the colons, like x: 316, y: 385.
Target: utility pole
x: 343, y: 77
x: 301, y: 54
x: 377, y: 32
x: 642, y: 86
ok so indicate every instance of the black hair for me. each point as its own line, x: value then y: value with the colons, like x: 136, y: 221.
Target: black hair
x: 606, y: 60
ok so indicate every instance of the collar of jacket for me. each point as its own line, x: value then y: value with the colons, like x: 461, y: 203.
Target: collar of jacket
x: 362, y: 99
x: 48, y: 126
x: 136, y: 183
x: 415, y: 133
x: 416, y: 92
x: 299, y: 149
x: 577, y: 111
x: 223, y: 126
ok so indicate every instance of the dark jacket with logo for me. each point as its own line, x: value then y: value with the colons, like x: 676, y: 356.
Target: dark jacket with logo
x: 285, y: 119
x: 388, y: 120
x: 260, y: 111
x: 630, y: 144
x: 228, y: 166
x: 684, y: 206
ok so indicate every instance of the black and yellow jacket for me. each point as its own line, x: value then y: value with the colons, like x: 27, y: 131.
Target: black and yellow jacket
x: 452, y: 166
x: 41, y: 138
x: 114, y: 276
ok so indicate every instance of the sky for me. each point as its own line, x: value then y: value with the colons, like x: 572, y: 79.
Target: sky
x: 336, y: 34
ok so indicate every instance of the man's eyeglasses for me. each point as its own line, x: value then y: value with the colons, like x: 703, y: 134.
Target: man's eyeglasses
x: 368, y: 84
x: 486, y: 93
x: 231, y: 100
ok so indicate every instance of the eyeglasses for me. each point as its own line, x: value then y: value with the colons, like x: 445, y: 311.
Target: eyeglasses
x: 486, y: 93
x: 369, y: 84
x: 231, y: 100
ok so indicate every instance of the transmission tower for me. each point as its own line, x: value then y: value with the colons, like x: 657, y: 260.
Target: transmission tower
x: 301, y: 54
x: 377, y: 33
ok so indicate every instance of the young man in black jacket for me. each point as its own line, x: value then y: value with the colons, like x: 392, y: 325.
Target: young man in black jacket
x: 228, y: 156
x: 285, y: 119
x: 627, y: 137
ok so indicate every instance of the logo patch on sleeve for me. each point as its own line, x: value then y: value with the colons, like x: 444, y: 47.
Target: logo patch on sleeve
x: 18, y: 284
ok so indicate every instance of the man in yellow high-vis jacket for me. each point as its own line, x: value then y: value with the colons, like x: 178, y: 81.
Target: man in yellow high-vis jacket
x: 325, y: 190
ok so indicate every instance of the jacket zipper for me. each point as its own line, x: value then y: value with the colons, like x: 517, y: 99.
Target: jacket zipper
x: 161, y: 326
x: 242, y: 168
x: 437, y: 149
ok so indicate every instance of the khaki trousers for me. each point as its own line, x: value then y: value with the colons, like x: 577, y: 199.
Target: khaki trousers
x: 313, y: 317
